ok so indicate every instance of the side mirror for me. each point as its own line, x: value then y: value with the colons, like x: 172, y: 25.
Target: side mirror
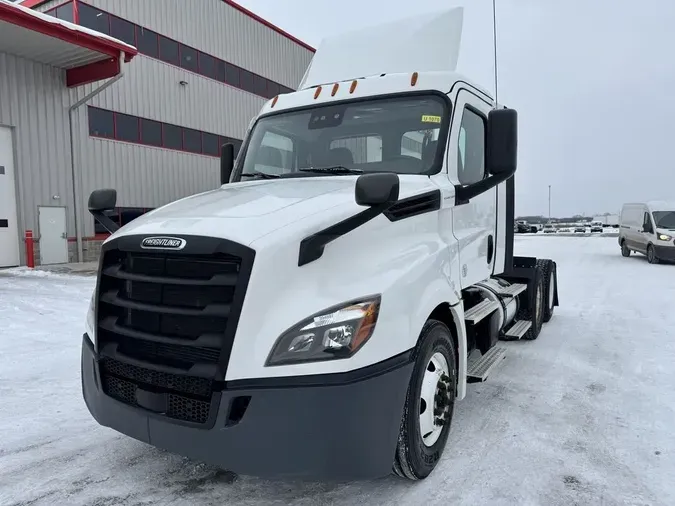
x: 377, y: 189
x: 102, y: 200
x: 226, y: 162
x: 501, y: 150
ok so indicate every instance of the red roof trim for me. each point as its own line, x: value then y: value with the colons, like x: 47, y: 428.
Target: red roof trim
x: 272, y: 26
x: 34, y: 3
x: 26, y: 20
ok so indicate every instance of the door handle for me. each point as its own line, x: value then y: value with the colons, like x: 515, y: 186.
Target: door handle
x: 64, y: 236
x: 491, y: 248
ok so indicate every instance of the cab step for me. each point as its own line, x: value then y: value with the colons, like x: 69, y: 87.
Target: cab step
x: 512, y: 290
x: 517, y: 330
x: 481, y: 310
x: 479, y: 370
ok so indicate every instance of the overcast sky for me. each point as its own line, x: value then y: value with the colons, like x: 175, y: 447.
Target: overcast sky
x: 593, y: 82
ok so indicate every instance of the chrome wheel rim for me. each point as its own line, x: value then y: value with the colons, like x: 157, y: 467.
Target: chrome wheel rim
x: 434, y: 399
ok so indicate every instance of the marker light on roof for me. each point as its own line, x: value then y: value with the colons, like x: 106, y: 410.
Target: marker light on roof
x: 317, y: 92
x: 335, y: 89
x: 352, y: 88
x: 413, y: 79
x: 274, y: 101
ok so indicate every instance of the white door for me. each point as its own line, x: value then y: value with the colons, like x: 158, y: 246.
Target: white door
x: 9, y: 232
x: 474, y: 223
x: 53, y: 237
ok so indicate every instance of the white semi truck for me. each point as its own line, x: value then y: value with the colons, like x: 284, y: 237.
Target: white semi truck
x: 319, y: 314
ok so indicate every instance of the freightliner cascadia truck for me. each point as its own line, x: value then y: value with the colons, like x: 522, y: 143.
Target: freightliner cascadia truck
x: 318, y: 315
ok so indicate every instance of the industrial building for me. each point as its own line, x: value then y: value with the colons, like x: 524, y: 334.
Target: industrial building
x: 125, y: 94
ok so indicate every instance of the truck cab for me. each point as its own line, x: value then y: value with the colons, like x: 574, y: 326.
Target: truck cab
x: 352, y: 274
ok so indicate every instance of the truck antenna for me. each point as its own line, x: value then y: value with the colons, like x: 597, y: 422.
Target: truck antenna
x: 494, y: 38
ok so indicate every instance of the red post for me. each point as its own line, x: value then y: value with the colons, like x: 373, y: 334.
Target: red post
x: 76, y: 13
x: 30, y: 252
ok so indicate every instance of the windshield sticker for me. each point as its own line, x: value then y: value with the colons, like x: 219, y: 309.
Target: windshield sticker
x: 430, y: 119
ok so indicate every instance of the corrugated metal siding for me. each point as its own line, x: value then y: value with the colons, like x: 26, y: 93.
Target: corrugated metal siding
x: 218, y: 29
x: 151, y: 89
x: 34, y: 100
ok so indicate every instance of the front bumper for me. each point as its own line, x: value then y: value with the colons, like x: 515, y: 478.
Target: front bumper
x: 665, y: 253
x: 335, y: 427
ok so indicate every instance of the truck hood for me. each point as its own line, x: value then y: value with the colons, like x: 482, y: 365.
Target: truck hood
x: 245, y: 212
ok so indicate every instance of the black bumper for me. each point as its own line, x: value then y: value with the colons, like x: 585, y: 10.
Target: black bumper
x: 666, y: 253
x: 338, y: 427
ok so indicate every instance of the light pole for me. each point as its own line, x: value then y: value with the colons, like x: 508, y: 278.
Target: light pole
x: 549, y: 203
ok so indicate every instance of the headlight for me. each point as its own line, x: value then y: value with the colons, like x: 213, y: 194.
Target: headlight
x: 664, y: 237
x: 335, y: 333
x: 90, y: 325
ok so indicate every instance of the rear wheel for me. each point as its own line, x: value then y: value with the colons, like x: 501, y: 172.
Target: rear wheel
x: 535, y: 311
x: 624, y: 249
x: 651, y: 255
x: 548, y: 269
x: 429, y: 404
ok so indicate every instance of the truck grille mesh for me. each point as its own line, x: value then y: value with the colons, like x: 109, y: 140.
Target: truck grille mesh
x: 162, y: 326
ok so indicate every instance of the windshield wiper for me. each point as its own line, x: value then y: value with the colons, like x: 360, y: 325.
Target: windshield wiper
x: 261, y: 175
x: 335, y: 169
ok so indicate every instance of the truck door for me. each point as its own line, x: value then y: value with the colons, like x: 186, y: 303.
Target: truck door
x: 474, y: 223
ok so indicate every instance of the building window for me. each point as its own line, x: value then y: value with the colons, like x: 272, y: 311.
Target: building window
x: 168, y: 51
x: 192, y: 140
x: 260, y: 86
x: 93, y: 18
x: 101, y: 123
x: 122, y: 30
x: 189, y: 59
x: 207, y: 65
x: 232, y: 73
x: 246, y: 82
x: 147, y: 42
x: 126, y: 128
x: 173, y: 137
x: 63, y: 12
x: 272, y: 89
x: 151, y: 132
x: 471, y: 148
x: 210, y: 144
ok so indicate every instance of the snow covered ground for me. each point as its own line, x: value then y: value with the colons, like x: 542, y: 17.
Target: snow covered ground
x: 585, y: 415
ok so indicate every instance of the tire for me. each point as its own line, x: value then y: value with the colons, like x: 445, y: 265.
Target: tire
x: 535, y: 313
x: 548, y: 269
x: 651, y: 255
x: 624, y: 249
x: 416, y: 458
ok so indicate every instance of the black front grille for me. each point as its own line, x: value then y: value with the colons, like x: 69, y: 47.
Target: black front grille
x: 166, y: 320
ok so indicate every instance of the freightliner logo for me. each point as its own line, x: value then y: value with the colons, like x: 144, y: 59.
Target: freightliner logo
x: 160, y: 242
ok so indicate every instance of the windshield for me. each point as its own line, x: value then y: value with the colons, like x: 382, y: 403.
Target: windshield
x: 393, y: 135
x: 664, y: 219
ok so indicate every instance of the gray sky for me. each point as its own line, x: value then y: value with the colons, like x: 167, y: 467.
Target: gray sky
x: 593, y: 82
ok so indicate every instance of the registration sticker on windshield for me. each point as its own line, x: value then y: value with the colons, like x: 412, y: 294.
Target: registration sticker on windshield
x: 427, y: 118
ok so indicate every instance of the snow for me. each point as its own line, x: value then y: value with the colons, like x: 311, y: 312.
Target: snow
x: 583, y: 415
x: 69, y: 26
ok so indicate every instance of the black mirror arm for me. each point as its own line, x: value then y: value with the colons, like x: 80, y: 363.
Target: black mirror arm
x: 311, y: 247
x: 463, y: 194
x: 104, y: 220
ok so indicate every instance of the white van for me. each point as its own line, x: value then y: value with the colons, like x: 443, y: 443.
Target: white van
x: 648, y: 228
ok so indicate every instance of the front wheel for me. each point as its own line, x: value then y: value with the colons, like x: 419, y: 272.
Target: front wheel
x: 429, y: 404
x: 624, y: 249
x: 651, y: 255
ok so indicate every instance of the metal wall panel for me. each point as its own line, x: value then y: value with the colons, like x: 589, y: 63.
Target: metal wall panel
x: 34, y: 101
x: 221, y: 30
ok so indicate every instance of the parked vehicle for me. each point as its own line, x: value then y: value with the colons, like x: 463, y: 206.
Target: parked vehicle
x: 549, y: 229
x: 314, y: 316
x: 648, y: 228
x: 596, y: 226
x: 579, y: 229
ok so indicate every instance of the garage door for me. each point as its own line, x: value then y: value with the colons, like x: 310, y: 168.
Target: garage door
x: 9, y: 234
